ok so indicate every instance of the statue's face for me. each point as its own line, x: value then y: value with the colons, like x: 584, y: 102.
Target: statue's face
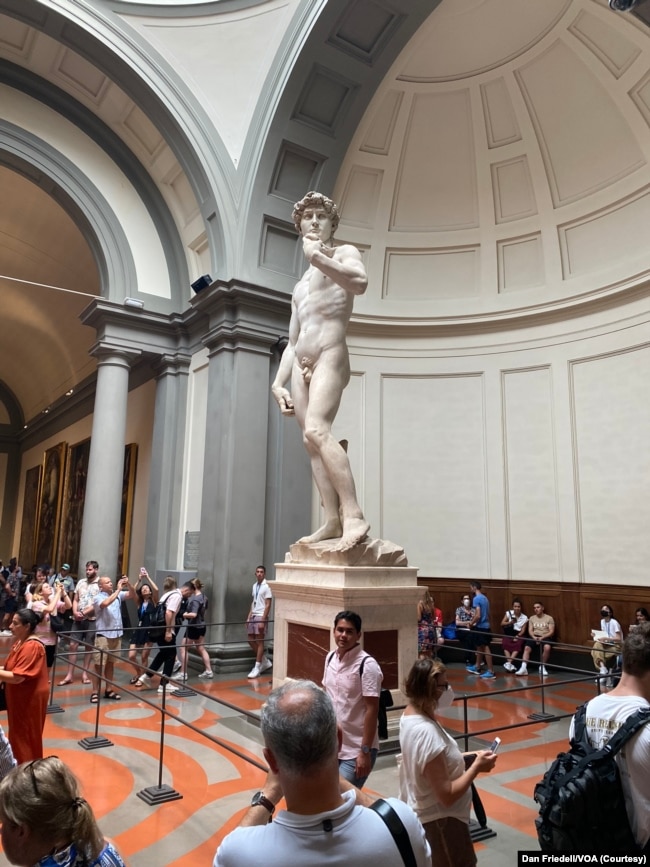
x: 316, y: 221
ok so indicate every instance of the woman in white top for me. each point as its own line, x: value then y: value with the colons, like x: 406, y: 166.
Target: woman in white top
x: 434, y: 779
x: 607, y: 644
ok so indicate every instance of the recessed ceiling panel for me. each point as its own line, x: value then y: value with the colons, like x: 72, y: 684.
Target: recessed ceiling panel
x: 436, y: 186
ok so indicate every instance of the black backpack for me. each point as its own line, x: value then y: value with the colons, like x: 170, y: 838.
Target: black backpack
x: 158, y: 622
x: 581, y: 803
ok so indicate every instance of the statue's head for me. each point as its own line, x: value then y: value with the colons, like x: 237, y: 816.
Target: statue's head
x: 315, y: 200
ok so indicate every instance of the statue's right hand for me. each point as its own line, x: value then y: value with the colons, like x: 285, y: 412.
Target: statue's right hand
x: 284, y: 399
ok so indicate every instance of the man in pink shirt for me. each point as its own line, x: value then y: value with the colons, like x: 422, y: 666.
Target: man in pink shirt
x: 352, y: 679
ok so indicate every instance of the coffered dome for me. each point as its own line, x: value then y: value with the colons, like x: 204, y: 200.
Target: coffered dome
x: 503, y: 163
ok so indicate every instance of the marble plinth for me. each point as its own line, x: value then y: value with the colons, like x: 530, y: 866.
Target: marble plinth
x: 307, y: 598
x: 370, y: 552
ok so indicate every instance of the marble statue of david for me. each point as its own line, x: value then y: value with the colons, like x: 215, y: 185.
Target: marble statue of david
x: 316, y: 360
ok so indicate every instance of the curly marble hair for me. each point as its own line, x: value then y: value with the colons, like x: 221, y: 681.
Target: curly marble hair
x: 315, y: 200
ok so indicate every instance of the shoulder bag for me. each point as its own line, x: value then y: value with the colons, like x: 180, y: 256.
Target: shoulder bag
x: 397, y: 830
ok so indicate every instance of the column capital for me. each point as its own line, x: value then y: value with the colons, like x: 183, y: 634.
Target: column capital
x: 172, y: 364
x: 242, y: 316
x: 109, y: 353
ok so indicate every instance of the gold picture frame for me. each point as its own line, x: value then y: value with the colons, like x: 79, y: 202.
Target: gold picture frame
x: 50, y: 501
x: 74, y: 499
x: 30, y: 513
x: 126, y: 516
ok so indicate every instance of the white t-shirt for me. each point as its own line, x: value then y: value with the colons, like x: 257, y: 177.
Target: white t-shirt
x: 358, y: 836
x: 611, y: 627
x: 261, y: 592
x: 421, y: 740
x: 605, y: 714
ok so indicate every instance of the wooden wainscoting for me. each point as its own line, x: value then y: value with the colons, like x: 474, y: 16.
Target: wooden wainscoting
x: 574, y: 607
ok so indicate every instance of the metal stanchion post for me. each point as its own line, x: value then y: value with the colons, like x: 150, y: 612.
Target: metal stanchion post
x: 52, y: 706
x: 97, y: 741
x: 542, y: 716
x: 181, y: 690
x: 160, y: 794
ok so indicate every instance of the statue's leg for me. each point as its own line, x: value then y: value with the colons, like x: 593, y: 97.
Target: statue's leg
x: 325, y: 390
x: 331, y: 528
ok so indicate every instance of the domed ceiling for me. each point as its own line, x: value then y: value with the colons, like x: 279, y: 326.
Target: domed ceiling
x: 503, y: 163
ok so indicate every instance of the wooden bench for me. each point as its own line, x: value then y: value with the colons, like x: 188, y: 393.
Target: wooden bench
x: 568, y: 656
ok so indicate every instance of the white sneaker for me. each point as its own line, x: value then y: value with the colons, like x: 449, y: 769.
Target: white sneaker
x: 182, y: 675
x: 266, y: 664
x: 170, y: 689
x: 177, y: 666
x: 208, y: 674
x: 523, y: 669
x: 543, y: 672
x: 144, y: 680
x: 255, y: 671
x: 508, y: 666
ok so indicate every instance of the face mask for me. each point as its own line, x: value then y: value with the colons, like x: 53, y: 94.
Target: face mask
x: 604, y: 613
x: 466, y: 601
x: 446, y: 699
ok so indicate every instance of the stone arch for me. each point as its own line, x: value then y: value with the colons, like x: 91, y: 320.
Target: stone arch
x: 30, y: 156
x: 76, y: 192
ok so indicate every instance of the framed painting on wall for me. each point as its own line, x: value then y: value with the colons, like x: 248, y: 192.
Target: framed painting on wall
x: 126, y: 517
x: 74, y: 498
x: 49, y: 505
x: 28, y: 524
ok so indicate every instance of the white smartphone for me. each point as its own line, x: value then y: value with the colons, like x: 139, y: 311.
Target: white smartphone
x: 495, y: 745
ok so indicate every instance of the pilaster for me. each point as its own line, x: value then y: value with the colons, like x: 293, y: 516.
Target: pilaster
x: 163, y: 533
x: 244, y: 323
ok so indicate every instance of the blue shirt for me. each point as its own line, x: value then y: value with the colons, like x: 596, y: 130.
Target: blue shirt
x: 70, y: 857
x: 481, y: 602
x: 109, y: 618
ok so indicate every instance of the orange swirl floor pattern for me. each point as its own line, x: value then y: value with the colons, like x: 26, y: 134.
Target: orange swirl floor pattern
x: 216, y: 784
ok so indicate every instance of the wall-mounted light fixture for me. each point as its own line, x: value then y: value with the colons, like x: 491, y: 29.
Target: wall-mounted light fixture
x: 201, y: 283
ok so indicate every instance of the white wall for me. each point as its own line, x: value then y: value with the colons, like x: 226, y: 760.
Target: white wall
x: 524, y: 459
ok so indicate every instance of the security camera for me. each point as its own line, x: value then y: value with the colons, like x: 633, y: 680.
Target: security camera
x: 623, y: 5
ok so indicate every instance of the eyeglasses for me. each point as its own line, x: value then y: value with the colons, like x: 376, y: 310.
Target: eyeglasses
x: 444, y: 686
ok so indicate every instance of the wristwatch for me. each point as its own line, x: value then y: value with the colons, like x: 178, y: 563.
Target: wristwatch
x: 259, y: 799
x: 365, y: 749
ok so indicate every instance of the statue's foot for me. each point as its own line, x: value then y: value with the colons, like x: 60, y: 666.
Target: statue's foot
x: 330, y: 530
x: 355, y: 530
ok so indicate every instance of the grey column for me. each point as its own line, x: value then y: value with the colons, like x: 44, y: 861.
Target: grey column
x: 243, y: 324
x: 101, y: 522
x: 167, y: 452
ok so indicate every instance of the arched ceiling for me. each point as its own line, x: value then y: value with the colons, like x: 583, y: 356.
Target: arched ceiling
x: 41, y: 247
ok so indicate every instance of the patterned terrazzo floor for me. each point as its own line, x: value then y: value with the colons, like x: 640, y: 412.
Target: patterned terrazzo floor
x: 216, y: 784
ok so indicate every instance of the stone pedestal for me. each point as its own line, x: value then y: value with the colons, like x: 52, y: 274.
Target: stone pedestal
x: 308, y: 596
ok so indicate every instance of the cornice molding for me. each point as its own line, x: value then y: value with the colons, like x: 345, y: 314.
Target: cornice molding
x: 494, y: 322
